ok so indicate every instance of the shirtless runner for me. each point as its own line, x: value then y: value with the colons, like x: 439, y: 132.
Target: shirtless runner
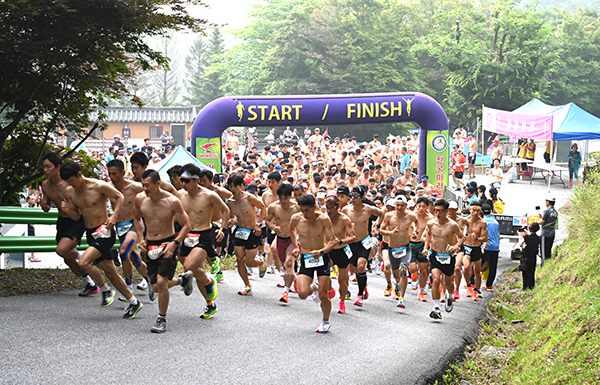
x: 246, y: 235
x: 278, y: 218
x: 390, y: 206
x: 476, y: 239
x: 68, y: 231
x: 359, y: 214
x: 313, y: 228
x: 439, y: 236
x: 160, y: 210
x: 128, y: 250
x: 270, y: 196
x: 340, y: 255
x: 399, y: 225
x: 462, y: 224
x: 88, y: 198
x: 419, y: 264
x: 199, y: 204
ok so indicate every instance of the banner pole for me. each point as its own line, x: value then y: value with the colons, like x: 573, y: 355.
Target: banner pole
x: 551, y: 154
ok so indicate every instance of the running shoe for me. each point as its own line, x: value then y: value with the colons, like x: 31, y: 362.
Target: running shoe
x: 122, y: 298
x: 569, y: 185
x: 415, y: 285
x: 107, y: 298
x: 487, y: 288
x: 334, y: 273
x: 315, y: 293
x: 422, y: 297
x: 187, y: 280
x: 262, y: 269
x: 388, y: 290
x: 442, y: 298
x: 353, y: 278
x: 324, y: 327
x: 331, y: 293
x: 479, y: 294
x: 211, y: 290
x: 436, y: 313
x: 245, y: 291
x: 271, y: 269
x: 159, y: 326
x: 89, y: 290
x: 449, y: 305
x: 284, y: 297
x: 414, y: 277
x: 455, y: 295
x: 359, y: 301
x: 396, y: 292
x: 348, y: 295
x: 342, y: 308
x: 152, y: 295
x: 475, y: 297
x: 400, y: 303
x: 214, y: 266
x: 219, y: 276
x: 295, y: 290
x: 143, y: 285
x: 366, y: 294
x: 469, y: 292
x: 132, y: 310
x: 209, y: 310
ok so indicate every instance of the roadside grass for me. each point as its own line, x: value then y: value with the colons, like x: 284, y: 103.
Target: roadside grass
x: 37, y: 281
x: 556, y: 338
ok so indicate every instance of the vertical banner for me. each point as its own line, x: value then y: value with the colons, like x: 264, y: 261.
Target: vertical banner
x: 208, y: 151
x: 438, y: 152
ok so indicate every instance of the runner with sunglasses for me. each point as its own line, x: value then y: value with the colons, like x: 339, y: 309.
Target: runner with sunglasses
x: 438, y: 238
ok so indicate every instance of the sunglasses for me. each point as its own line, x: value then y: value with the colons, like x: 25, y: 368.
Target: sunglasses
x: 354, y: 196
x: 185, y: 180
x: 438, y: 211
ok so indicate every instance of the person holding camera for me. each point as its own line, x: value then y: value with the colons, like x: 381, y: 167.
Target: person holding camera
x: 531, y: 247
x: 548, y: 223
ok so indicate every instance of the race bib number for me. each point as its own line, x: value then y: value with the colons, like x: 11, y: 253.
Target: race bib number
x: 468, y: 250
x: 367, y: 242
x: 348, y: 251
x: 443, y: 258
x: 242, y: 233
x: 101, y: 232
x: 471, y: 154
x: 155, y: 251
x: 123, y: 228
x: 399, y: 252
x: 312, y: 262
x: 191, y: 240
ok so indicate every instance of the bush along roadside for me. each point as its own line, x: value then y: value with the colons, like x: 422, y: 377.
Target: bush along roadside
x: 548, y: 335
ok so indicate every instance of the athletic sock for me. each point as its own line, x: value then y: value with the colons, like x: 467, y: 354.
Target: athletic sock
x: 436, y: 303
x: 87, y: 280
x: 80, y: 254
x: 325, y: 322
x: 128, y: 281
x: 133, y: 300
x: 209, y: 303
x: 361, y: 278
x: 180, y: 280
x: 287, y: 289
x: 105, y: 288
x: 162, y: 317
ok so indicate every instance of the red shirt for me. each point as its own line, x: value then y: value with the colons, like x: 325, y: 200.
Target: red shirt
x: 459, y: 161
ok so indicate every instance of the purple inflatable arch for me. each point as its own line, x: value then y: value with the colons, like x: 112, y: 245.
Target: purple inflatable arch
x: 305, y: 110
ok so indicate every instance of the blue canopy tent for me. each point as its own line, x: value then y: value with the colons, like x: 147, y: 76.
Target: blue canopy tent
x: 570, y: 121
x: 179, y: 157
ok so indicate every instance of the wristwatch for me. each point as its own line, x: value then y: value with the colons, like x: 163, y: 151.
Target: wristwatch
x: 321, y: 253
x: 340, y: 242
x: 177, y: 243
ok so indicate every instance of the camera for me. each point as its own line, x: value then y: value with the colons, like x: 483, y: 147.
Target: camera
x: 537, y: 208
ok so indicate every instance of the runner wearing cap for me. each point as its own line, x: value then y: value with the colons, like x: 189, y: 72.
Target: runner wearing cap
x: 496, y: 152
x: 427, y: 187
x: 398, y: 225
x: 359, y: 214
x: 439, y: 236
x: 472, y: 153
x: 341, y: 254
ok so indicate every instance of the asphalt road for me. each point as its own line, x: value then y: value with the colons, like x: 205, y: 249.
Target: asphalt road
x: 63, y: 339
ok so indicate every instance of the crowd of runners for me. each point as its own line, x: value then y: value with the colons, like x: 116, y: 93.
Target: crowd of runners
x: 312, y: 211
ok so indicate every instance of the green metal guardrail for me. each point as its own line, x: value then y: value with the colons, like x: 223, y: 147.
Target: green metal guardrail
x: 26, y: 244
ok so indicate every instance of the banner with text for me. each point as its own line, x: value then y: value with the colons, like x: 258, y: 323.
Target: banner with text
x: 537, y: 127
x: 437, y: 159
x: 208, y: 151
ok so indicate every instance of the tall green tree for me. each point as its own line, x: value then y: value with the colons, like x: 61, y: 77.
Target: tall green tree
x: 213, y: 85
x: 195, y: 66
x: 61, y: 59
x: 576, y: 75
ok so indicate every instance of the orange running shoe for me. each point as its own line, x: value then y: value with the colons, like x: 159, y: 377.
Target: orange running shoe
x: 388, y: 290
x: 469, y: 292
x: 422, y: 297
x: 342, y: 308
x: 331, y: 293
x: 284, y: 297
x: 455, y: 295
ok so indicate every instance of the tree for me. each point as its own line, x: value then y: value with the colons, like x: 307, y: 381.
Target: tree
x: 195, y: 66
x: 165, y: 80
x: 213, y: 86
x: 61, y: 59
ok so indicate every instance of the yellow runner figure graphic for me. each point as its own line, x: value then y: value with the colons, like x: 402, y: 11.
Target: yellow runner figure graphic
x: 240, y: 110
x: 408, y: 102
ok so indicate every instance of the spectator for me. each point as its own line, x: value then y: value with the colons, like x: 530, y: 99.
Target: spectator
x: 530, y: 153
x: 531, y: 247
x: 548, y: 223
x: 117, y: 144
x: 146, y: 145
x: 574, y: 164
